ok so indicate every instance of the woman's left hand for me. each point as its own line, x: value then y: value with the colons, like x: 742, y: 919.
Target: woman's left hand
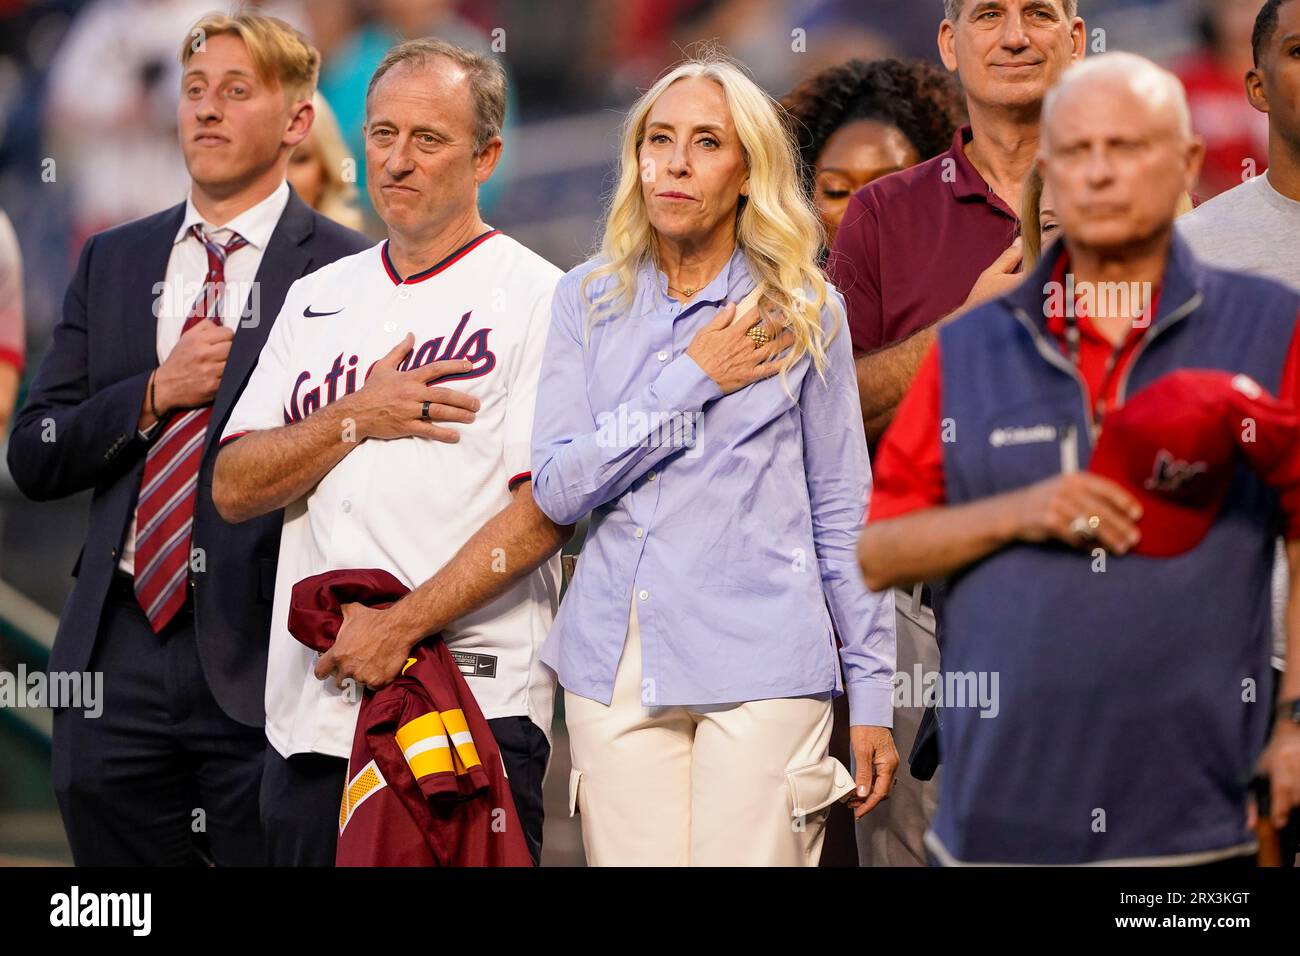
x: 877, y: 761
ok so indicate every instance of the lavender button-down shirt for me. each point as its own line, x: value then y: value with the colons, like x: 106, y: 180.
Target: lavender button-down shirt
x: 731, y: 521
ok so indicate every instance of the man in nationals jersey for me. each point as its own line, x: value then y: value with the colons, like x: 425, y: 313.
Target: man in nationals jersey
x: 337, y: 426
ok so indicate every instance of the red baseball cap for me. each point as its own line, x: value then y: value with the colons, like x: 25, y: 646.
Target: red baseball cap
x: 1174, y: 447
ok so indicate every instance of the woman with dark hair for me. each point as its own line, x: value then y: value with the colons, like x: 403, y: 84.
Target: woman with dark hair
x: 858, y: 121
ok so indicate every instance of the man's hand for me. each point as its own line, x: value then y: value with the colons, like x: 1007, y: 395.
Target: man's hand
x: 1281, y: 763
x: 730, y: 357
x: 877, y: 763
x: 1081, y: 509
x: 371, y: 648
x: 999, y: 278
x: 192, y: 373
x: 389, y: 405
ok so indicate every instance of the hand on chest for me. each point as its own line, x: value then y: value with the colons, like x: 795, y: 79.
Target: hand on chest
x: 337, y: 362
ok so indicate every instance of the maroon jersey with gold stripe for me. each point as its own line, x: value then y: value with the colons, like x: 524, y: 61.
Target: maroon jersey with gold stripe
x: 425, y: 785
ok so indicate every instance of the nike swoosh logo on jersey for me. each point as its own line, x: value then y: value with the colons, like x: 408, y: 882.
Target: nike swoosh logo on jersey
x: 307, y: 313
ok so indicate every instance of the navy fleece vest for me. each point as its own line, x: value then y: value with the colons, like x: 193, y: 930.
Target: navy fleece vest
x: 1124, y: 728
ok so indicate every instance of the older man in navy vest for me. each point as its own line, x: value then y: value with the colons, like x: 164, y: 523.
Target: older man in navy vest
x: 1133, y: 699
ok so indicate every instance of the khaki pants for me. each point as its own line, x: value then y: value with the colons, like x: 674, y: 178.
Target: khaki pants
x: 743, y: 784
x: 893, y: 833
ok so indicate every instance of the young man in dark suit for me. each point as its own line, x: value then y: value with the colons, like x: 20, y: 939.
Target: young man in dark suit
x: 161, y: 327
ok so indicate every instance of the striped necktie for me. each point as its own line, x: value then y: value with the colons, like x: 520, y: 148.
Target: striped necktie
x: 164, y: 512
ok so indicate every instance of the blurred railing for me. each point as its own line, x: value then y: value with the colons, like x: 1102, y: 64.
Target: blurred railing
x: 26, y: 634
x: 26, y: 628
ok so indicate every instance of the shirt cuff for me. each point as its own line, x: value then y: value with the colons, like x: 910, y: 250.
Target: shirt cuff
x: 147, y: 434
x: 871, y: 704
x: 684, y: 386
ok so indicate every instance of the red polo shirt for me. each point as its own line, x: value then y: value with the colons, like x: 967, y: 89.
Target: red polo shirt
x: 912, y: 244
x: 908, y: 467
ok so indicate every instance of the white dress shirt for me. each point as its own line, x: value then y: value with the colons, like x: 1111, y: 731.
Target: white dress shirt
x: 187, y: 268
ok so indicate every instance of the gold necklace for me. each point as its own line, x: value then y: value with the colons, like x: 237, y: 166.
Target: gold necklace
x: 688, y: 292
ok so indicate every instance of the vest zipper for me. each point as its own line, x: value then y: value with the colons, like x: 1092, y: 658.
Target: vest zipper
x: 1180, y: 313
x: 1069, y: 450
x: 1054, y: 356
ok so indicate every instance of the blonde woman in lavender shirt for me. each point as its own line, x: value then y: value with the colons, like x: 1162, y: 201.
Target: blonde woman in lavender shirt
x: 717, y: 445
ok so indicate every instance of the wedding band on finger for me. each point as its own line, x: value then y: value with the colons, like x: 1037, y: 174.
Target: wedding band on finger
x: 424, y: 411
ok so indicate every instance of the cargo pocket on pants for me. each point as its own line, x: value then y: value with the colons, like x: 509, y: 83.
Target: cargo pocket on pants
x: 575, y: 778
x: 817, y: 786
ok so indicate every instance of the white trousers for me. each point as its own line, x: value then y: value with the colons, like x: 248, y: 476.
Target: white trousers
x: 745, y: 784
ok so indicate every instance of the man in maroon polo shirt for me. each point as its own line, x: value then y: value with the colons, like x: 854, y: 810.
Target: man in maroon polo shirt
x: 914, y: 248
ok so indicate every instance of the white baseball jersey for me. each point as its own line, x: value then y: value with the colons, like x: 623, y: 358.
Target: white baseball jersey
x: 407, y: 505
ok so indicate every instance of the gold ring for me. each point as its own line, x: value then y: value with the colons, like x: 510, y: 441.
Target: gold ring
x: 759, y: 335
x: 1085, y: 528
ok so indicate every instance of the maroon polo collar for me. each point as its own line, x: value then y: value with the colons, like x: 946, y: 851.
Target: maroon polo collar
x: 967, y: 183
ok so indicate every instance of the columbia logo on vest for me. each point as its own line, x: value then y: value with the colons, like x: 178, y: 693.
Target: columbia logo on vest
x: 1031, y: 435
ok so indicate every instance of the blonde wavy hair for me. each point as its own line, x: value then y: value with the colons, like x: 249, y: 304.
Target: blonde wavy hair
x: 325, y: 144
x: 777, y: 228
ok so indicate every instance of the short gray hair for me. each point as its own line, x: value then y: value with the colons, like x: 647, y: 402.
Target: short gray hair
x: 1153, y: 83
x: 487, y: 80
x: 952, y: 8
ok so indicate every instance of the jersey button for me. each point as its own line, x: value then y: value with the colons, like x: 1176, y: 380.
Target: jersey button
x: 346, y: 506
x: 403, y: 294
x: 662, y: 356
x: 651, y: 477
x: 390, y: 326
x: 644, y: 595
x: 640, y: 532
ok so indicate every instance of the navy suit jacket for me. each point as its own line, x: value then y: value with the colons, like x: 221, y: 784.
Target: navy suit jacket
x: 78, y: 430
